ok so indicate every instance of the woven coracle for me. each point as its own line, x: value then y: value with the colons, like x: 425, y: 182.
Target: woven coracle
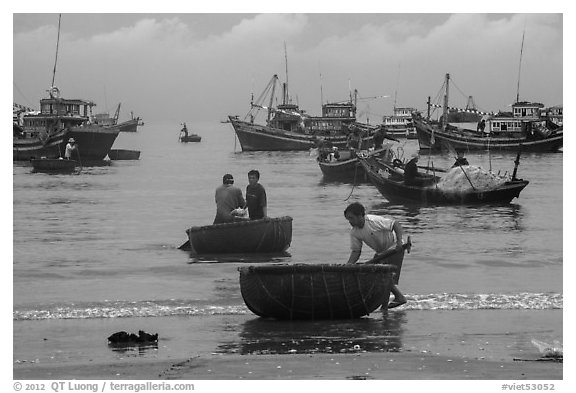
x: 316, y: 291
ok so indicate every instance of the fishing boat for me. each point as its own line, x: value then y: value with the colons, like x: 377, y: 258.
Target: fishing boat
x: 44, y: 133
x: 527, y: 128
x: 123, y: 154
x: 54, y: 165
x: 345, y: 165
x: 267, y: 235
x: 186, y: 137
x: 287, y: 127
x: 435, y: 190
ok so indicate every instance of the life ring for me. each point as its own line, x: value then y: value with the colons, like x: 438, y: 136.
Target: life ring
x: 397, y: 163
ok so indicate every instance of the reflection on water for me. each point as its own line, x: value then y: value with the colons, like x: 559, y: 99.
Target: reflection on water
x: 265, y: 336
x: 242, y: 258
x: 134, y: 349
x: 499, y: 216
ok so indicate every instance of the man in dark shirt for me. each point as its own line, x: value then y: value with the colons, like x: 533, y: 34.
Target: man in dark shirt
x: 460, y: 159
x: 255, y: 196
x: 411, y: 170
x: 228, y: 198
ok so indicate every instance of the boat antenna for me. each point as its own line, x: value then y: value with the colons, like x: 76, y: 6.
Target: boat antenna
x: 520, y: 67
x: 57, y: 43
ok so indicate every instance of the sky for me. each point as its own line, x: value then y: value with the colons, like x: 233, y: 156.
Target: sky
x: 183, y: 66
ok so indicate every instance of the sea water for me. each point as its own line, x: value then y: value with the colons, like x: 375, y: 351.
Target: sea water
x: 102, y: 243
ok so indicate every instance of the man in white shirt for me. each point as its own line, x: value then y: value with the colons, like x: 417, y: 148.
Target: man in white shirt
x: 70, y: 147
x: 380, y: 234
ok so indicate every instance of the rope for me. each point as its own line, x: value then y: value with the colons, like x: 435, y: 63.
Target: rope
x: 353, y: 184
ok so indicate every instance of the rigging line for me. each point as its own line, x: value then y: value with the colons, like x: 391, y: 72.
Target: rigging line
x: 22, y: 94
x: 57, y: 44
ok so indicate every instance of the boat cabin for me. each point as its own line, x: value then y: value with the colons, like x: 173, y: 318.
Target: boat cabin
x: 335, y: 117
x: 401, y: 117
x: 288, y: 117
x: 522, y: 113
x: 530, y: 110
x: 56, y: 114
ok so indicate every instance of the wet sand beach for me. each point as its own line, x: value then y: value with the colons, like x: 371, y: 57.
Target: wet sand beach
x: 407, y: 345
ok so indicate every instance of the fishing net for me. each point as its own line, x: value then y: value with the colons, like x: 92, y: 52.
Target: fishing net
x: 469, y: 178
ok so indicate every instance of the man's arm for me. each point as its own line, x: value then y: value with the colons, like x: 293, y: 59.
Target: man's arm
x: 354, y: 256
x: 397, y: 228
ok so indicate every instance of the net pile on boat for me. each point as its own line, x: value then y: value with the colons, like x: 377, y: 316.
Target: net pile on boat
x: 475, y: 178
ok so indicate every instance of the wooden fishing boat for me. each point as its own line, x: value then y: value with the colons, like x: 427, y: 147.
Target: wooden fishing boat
x: 45, y: 133
x: 347, y: 166
x: 389, y: 180
x: 186, y: 137
x: 123, y: 154
x: 54, y: 165
x: 529, y: 127
x: 267, y: 235
x: 287, y: 127
x: 318, y: 291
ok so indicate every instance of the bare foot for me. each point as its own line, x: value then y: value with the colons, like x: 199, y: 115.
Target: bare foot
x: 397, y: 303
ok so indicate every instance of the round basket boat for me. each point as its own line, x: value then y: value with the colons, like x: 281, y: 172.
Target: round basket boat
x: 268, y: 235
x: 319, y: 291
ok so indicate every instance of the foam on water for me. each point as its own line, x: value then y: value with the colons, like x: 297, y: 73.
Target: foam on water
x: 442, y: 301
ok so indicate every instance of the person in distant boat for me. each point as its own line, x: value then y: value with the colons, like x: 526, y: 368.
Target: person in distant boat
x: 411, y: 170
x: 378, y: 137
x: 228, y: 198
x: 380, y: 234
x: 184, y: 131
x: 324, y: 148
x: 460, y: 160
x: 481, y: 125
x: 70, y: 147
x: 255, y: 196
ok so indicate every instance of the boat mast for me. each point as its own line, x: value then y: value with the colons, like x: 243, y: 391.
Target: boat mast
x: 56, y: 59
x: 445, y: 106
x: 273, y: 81
x: 285, y: 88
x: 519, y: 68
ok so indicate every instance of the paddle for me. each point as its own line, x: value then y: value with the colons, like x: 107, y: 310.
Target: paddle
x: 406, y: 246
x: 185, y: 246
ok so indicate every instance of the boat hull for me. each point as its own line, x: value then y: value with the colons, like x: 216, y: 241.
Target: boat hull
x: 94, y: 142
x: 349, y: 169
x: 54, y: 165
x: 319, y: 291
x: 190, y: 138
x: 25, y: 149
x: 123, y: 154
x: 267, y: 235
x: 446, y: 140
x: 395, y: 190
x: 255, y: 137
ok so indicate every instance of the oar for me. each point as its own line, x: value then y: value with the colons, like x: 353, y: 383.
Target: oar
x: 432, y: 168
x: 185, y: 246
x: 406, y: 246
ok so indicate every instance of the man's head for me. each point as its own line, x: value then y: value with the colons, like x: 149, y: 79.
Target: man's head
x: 253, y: 176
x: 355, y: 213
x: 228, y: 179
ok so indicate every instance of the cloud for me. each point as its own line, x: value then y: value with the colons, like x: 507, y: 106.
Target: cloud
x: 164, y: 66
